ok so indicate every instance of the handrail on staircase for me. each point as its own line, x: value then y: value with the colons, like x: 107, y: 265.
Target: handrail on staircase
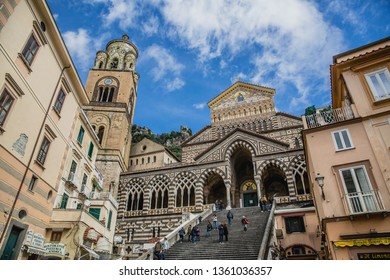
x: 173, y: 236
x: 267, y: 233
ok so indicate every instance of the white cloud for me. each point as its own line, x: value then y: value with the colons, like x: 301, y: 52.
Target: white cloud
x: 79, y: 43
x: 199, y: 106
x: 239, y: 77
x: 167, y: 68
x: 151, y: 26
x: 290, y: 41
x: 174, y: 84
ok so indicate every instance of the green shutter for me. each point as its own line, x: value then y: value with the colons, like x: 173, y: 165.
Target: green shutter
x: 90, y: 151
x: 109, y: 219
x: 95, y: 212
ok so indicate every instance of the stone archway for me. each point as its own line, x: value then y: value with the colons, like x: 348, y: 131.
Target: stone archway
x: 214, y: 189
x: 242, y: 171
x: 274, y: 182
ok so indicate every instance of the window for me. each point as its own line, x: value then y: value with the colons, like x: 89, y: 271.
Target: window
x: 43, y: 150
x: 30, y: 49
x: 90, y: 150
x: 379, y: 82
x: 359, y: 193
x: 32, y: 183
x: 64, y: 201
x: 342, y: 140
x: 56, y: 236
x: 109, y: 219
x: 95, y: 212
x: 294, y: 224
x: 84, y: 183
x: 154, y: 158
x: 100, y: 134
x: 72, y: 171
x: 6, y: 101
x: 59, y: 101
x: 81, y: 135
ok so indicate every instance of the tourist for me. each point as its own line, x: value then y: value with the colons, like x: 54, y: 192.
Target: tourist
x: 264, y: 203
x: 209, y: 228
x: 165, y: 247
x: 216, y: 205
x: 245, y: 223
x: 197, y: 234
x: 221, y: 232
x: 229, y: 216
x: 215, y: 222
x: 193, y: 234
x: 189, y: 231
x: 225, y: 231
x: 158, y: 250
x: 221, y: 205
x: 181, y: 234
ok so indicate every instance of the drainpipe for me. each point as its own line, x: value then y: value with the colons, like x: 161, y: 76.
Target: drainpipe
x: 32, y: 155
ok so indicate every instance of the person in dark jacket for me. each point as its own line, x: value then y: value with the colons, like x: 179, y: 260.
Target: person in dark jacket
x: 225, y: 231
x: 189, y: 231
x: 181, y: 234
x: 209, y: 228
x: 229, y: 216
x: 221, y: 232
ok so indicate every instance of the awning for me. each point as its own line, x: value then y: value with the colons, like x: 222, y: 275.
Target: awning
x: 103, y: 245
x: 36, y: 250
x: 362, y: 242
x: 91, y: 252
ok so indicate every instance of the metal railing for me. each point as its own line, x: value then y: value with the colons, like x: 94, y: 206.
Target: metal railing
x: 329, y: 116
x: 364, y: 202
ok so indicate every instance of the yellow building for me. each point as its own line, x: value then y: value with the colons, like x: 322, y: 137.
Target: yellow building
x: 348, y: 154
x: 48, y: 148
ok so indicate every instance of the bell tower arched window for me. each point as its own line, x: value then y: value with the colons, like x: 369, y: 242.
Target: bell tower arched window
x: 100, y: 134
x: 114, y: 63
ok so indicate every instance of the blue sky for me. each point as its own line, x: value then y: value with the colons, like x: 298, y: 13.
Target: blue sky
x: 190, y: 51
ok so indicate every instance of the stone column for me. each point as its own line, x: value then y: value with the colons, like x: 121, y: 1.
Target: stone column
x: 146, y: 200
x: 258, y: 189
x: 228, y: 200
x: 198, y: 196
x: 171, y: 198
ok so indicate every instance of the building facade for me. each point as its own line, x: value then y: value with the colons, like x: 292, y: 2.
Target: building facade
x: 249, y: 151
x: 147, y: 154
x: 347, y: 149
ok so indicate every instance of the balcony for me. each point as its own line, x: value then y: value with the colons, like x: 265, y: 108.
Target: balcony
x: 328, y: 116
x: 364, y: 202
x: 72, y: 181
x: 107, y: 196
x: 66, y: 217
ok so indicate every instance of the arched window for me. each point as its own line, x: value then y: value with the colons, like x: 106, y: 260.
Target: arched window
x: 159, y: 192
x: 114, y: 63
x: 100, y: 134
x: 185, y: 192
x: 111, y: 95
x: 100, y: 64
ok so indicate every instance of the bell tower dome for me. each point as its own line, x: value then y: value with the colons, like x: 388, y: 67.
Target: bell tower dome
x: 112, y: 90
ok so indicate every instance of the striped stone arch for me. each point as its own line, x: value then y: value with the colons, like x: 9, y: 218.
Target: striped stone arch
x: 239, y: 144
x: 283, y: 167
x: 205, y: 175
x: 295, y: 160
x: 272, y: 162
x: 185, y: 190
x: 159, y: 187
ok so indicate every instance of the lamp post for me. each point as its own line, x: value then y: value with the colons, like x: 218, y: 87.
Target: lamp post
x: 320, y: 182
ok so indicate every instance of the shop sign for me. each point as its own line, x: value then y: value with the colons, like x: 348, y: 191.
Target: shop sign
x: 29, y: 236
x: 374, y: 256
x: 55, y: 248
x: 38, y: 240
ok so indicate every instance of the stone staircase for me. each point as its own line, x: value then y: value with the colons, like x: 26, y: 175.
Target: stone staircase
x: 240, y: 245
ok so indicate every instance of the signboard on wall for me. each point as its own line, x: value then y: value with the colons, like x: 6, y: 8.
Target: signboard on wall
x: 374, y: 256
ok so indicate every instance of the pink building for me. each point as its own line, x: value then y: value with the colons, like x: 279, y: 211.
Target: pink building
x: 348, y: 155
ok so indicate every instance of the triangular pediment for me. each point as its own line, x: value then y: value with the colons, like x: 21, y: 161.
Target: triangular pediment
x: 258, y: 144
x: 240, y: 94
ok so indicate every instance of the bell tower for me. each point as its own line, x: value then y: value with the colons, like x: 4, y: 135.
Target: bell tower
x: 112, y: 90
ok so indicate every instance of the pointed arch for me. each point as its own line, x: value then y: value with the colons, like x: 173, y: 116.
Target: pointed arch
x: 159, y: 191
x: 185, y: 186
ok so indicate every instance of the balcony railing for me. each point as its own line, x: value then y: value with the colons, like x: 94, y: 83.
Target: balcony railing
x: 72, y: 180
x: 364, y: 202
x: 107, y: 196
x: 330, y: 116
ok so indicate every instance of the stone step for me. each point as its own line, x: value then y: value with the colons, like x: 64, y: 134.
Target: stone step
x: 240, y: 245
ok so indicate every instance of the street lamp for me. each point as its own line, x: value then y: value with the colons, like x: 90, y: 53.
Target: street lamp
x: 320, y: 182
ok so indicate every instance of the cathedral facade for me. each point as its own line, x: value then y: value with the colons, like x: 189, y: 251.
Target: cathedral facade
x: 248, y: 151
